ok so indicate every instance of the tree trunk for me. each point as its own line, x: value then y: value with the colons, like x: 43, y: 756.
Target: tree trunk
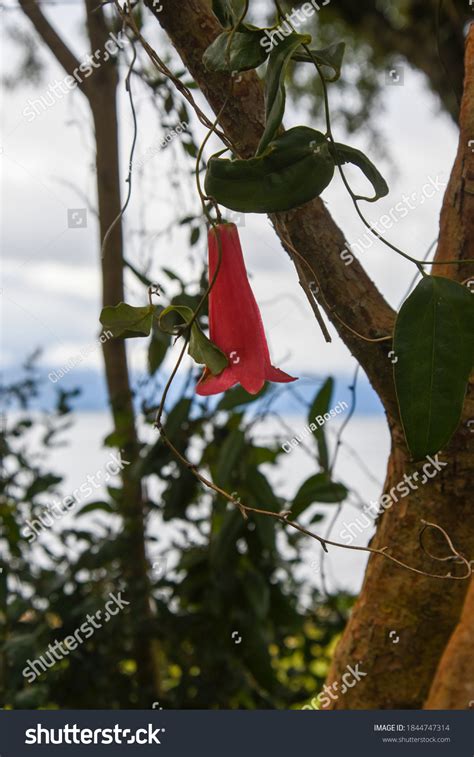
x: 402, y: 621
x: 101, y: 89
x: 102, y: 98
x: 422, y: 611
x: 453, y: 685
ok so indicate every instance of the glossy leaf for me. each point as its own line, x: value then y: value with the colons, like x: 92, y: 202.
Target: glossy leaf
x: 346, y: 154
x: 205, y: 352
x: 245, y: 51
x: 434, y: 350
x: 201, y: 349
x: 275, y: 95
x: 329, y: 58
x: 228, y: 11
x: 127, y: 321
x: 318, y: 488
x: 321, y: 405
x: 159, y: 344
x: 294, y: 169
x: 170, y: 323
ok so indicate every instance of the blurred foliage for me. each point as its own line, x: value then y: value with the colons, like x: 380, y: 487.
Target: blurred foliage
x: 423, y: 34
x: 427, y: 35
x: 220, y: 578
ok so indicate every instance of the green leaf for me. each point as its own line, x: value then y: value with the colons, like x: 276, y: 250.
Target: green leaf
x: 294, y: 169
x: 321, y: 405
x: 127, y: 321
x: 201, y: 349
x: 41, y: 484
x: 140, y: 276
x: 194, y: 236
x: 228, y: 11
x: 260, y: 488
x: 223, y: 540
x: 318, y: 488
x: 91, y: 506
x: 258, y: 455
x: 169, y: 325
x: 205, y: 352
x: 177, y: 418
x: 245, y: 51
x: 329, y: 58
x: 229, y: 455
x: 346, y: 154
x: 434, y: 349
x: 257, y: 591
x: 179, y: 494
x: 275, y: 95
x: 159, y: 344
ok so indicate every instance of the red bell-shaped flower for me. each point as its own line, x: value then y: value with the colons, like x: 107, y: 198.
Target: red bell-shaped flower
x: 235, y: 323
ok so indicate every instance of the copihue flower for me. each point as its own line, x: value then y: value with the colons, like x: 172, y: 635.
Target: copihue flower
x: 235, y: 323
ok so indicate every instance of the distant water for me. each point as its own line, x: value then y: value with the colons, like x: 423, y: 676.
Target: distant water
x: 93, y: 394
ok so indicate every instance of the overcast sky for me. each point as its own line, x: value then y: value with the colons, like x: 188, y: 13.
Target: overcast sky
x: 51, y: 286
x: 50, y: 290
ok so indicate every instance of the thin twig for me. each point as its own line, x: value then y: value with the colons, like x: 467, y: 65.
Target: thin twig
x: 132, y: 150
x: 325, y: 543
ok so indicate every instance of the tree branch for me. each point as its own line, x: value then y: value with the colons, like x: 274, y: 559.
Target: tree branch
x: 423, y: 616
x: 52, y: 40
x: 346, y: 292
x: 453, y: 684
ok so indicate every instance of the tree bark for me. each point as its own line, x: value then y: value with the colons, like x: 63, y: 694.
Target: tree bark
x: 453, y: 684
x: 346, y: 292
x: 101, y: 91
x: 422, y: 611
